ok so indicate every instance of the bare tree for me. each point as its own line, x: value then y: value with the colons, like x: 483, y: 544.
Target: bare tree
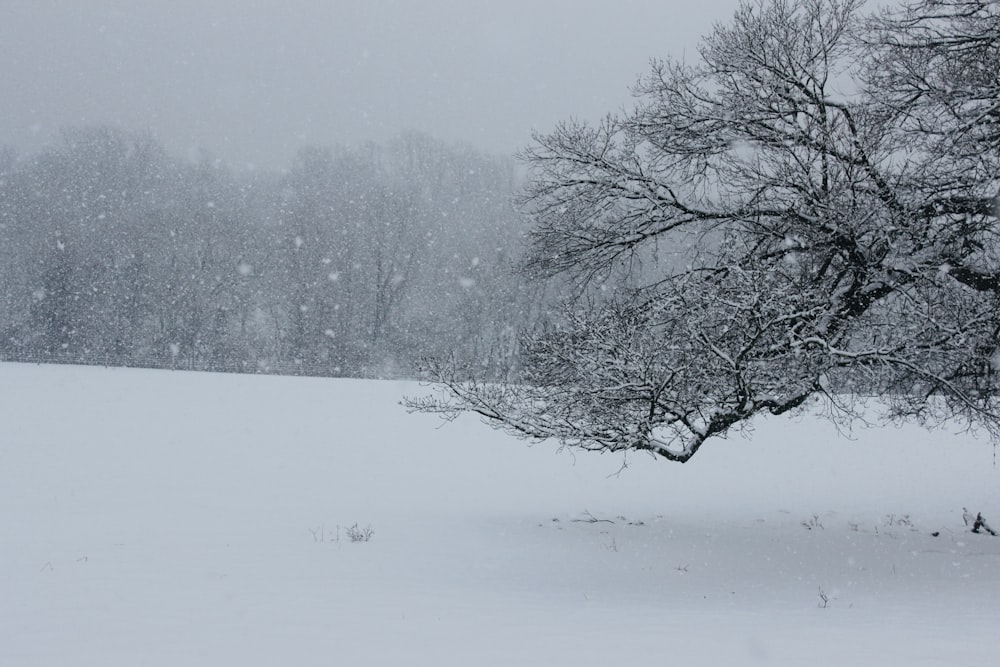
x: 757, y: 232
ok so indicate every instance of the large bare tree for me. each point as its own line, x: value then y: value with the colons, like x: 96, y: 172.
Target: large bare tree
x: 808, y: 211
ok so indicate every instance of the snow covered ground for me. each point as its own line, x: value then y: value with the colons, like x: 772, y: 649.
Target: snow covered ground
x: 157, y: 518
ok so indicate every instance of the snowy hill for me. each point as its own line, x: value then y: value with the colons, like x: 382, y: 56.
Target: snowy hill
x: 158, y: 518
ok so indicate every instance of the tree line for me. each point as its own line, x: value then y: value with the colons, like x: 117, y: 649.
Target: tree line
x: 352, y: 262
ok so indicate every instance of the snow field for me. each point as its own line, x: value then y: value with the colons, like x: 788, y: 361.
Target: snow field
x: 158, y: 518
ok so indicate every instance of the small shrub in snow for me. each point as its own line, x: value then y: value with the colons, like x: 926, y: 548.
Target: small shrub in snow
x: 812, y: 523
x: 981, y: 525
x: 358, y: 534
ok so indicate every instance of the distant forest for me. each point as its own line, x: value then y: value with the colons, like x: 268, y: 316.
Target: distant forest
x: 353, y: 262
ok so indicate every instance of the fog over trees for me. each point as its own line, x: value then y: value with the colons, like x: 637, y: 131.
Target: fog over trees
x: 353, y: 262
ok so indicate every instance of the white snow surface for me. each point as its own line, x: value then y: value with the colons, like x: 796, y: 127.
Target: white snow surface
x: 166, y: 518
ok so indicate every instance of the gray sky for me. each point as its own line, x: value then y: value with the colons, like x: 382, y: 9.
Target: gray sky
x: 253, y: 80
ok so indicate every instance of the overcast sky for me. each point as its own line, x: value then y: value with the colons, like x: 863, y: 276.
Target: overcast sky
x: 252, y: 81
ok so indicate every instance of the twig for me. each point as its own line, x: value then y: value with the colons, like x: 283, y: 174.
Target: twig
x: 592, y: 519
